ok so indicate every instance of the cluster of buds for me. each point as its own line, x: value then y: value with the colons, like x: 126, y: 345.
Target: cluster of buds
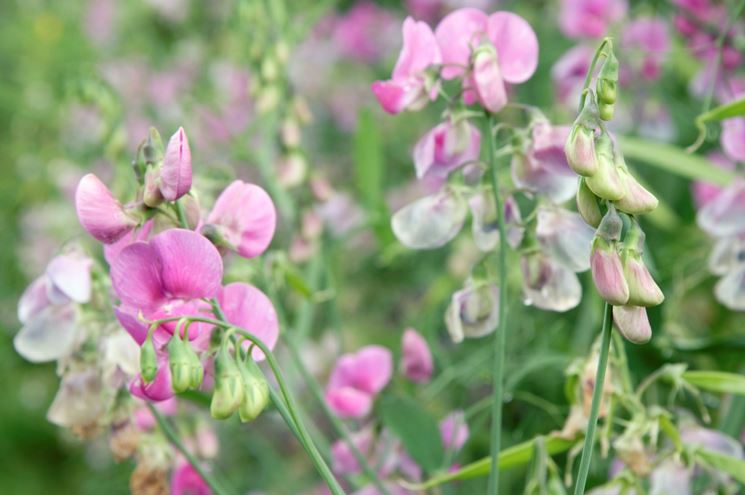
x: 606, y: 188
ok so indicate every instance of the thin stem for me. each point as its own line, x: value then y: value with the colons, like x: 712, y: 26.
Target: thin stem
x: 292, y: 406
x: 182, y: 215
x: 597, y: 394
x: 500, y: 336
x: 588, y: 78
x: 173, y: 437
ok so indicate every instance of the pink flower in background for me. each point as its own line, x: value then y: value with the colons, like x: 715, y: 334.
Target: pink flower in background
x: 362, y: 31
x: 409, y: 87
x: 344, y: 461
x: 647, y: 41
x: 145, y: 420
x: 243, y: 219
x: 416, y: 361
x: 186, y: 481
x: 100, y: 20
x: 589, y: 18
x: 568, y: 74
x: 444, y: 149
x: 454, y: 430
x: 705, y: 192
x: 99, y: 212
x: 356, y: 379
x: 733, y: 129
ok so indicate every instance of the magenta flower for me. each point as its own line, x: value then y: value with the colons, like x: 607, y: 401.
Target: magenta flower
x: 99, y: 212
x: 589, y: 18
x: 111, y: 251
x: 647, y: 41
x: 410, y: 87
x: 454, y: 430
x: 246, y: 306
x: 160, y: 388
x: 445, y: 148
x: 187, y: 481
x: 356, y: 379
x: 243, y: 219
x: 543, y: 167
x: 175, y: 176
x: 416, y: 361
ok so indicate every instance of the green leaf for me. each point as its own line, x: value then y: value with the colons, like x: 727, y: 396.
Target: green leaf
x: 716, y: 381
x: 517, y: 455
x: 671, y: 431
x: 722, y: 112
x: 722, y: 463
x: 673, y: 159
x: 417, y: 430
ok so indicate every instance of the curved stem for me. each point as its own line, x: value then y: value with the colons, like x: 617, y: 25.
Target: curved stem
x: 597, y: 394
x: 292, y: 407
x: 172, y: 436
x: 501, y: 333
x: 588, y: 78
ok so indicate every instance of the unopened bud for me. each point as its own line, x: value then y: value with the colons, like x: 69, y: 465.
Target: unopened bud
x: 148, y: 360
x: 152, y: 149
x: 633, y: 323
x: 580, y: 150
x: 179, y: 363
x: 176, y: 174
x: 151, y: 194
x: 606, y: 110
x: 607, y: 272
x: 637, y: 200
x: 606, y: 182
x: 587, y: 204
x: 255, y: 391
x: 610, y: 226
x: 607, y: 91
x: 228, y: 393
x: 643, y: 290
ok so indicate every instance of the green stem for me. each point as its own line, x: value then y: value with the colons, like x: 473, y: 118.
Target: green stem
x: 173, y: 437
x: 292, y: 406
x: 588, y: 78
x: 182, y: 215
x: 597, y: 395
x: 501, y: 333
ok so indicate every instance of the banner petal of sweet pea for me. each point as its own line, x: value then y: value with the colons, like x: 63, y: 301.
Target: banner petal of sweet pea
x: 191, y: 266
x: 135, y: 276
x: 71, y: 274
x: 516, y: 44
x: 48, y: 335
x: 348, y: 402
x: 419, y: 50
x: 373, y: 369
x: 246, y: 306
x: 456, y: 33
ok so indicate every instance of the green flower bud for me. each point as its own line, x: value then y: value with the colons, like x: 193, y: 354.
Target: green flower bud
x: 606, y: 183
x: 606, y: 111
x: 580, y: 150
x: 153, y: 149
x: 196, y: 370
x: 148, y: 360
x: 638, y: 200
x: 179, y: 363
x: 587, y: 204
x: 255, y: 391
x: 643, y: 290
x: 607, y: 91
x: 228, y: 393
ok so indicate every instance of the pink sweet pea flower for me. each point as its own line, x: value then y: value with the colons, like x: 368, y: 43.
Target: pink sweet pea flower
x: 444, y: 149
x: 175, y: 176
x: 344, y: 461
x: 357, y: 378
x: 416, y: 362
x: 363, y: 32
x: 724, y: 216
x: 457, y: 33
x: 160, y: 388
x: 244, y: 218
x: 589, y: 18
x: 454, y: 430
x: 99, y: 212
x: 647, y: 40
x: 111, y: 251
x: 246, y: 306
x: 410, y: 87
x: 144, y: 419
x: 186, y: 481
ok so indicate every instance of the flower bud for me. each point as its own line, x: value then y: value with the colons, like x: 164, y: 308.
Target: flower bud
x: 643, y: 291
x: 580, y: 150
x: 637, y: 200
x: 633, y: 323
x: 196, y: 370
x: 487, y: 79
x: 610, y: 226
x: 606, y: 182
x: 151, y: 194
x: 228, y: 393
x: 175, y: 174
x: 607, y: 272
x: 607, y: 91
x: 587, y: 204
x: 152, y: 148
x: 178, y: 361
x: 255, y: 391
x: 148, y: 360
x: 606, y: 110
x: 99, y: 212
x: 607, y: 83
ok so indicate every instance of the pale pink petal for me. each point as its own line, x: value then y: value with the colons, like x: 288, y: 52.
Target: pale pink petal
x: 33, y: 300
x: 176, y: 172
x: 348, y: 402
x: 488, y: 82
x: 71, y: 274
x: 419, y: 50
x: 99, y: 212
x: 516, y: 44
x: 373, y: 368
x: 454, y: 430
x: 416, y: 361
x: 246, y: 306
x: 135, y: 276
x: 191, y: 264
x: 111, y: 251
x: 457, y: 34
x: 733, y: 138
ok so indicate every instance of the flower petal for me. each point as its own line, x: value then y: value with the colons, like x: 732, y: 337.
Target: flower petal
x: 456, y: 33
x: 246, y: 306
x: 135, y: 276
x: 431, y: 221
x: 48, y: 335
x: 516, y: 44
x: 348, y: 402
x: 191, y: 266
x: 71, y: 274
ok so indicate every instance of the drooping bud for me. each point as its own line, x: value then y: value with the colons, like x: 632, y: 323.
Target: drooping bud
x: 228, y: 393
x: 643, y: 291
x: 196, y: 370
x: 587, y: 204
x: 487, y: 79
x: 580, y: 150
x: 607, y: 272
x: 100, y: 213
x: 148, y: 360
x: 638, y: 200
x: 255, y: 391
x: 606, y: 183
x: 178, y: 361
x: 607, y: 83
x: 633, y: 323
x: 175, y: 175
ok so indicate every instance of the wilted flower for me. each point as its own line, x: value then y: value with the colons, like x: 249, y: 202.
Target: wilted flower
x: 356, y: 379
x: 80, y: 400
x: 416, y: 359
x: 473, y: 311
